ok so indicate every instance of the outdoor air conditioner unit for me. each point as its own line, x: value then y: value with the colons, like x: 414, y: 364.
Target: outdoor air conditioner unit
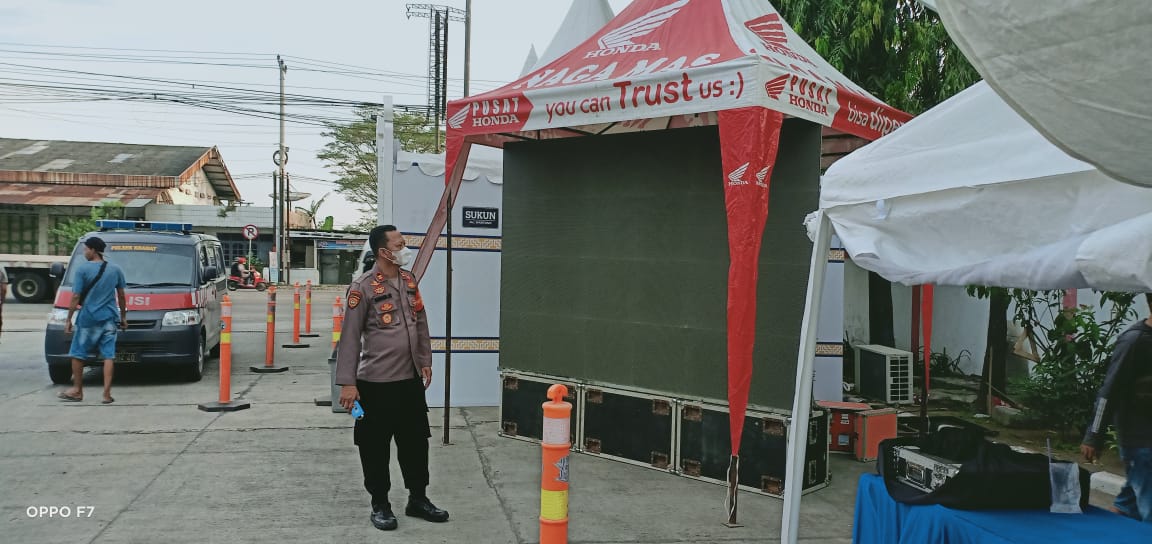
x: 884, y: 373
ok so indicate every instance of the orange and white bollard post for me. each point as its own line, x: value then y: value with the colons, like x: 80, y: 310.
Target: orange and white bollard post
x: 225, y: 403
x: 270, y: 341
x: 295, y: 319
x: 308, y: 312
x: 555, y: 446
x: 337, y: 322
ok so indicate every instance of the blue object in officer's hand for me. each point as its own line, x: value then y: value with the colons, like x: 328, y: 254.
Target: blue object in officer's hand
x: 357, y: 410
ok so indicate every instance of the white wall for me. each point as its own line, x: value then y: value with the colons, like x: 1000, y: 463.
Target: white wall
x: 476, y: 279
x: 209, y: 216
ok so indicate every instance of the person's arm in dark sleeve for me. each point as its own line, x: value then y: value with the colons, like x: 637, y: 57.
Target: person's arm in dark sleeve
x: 1119, y: 375
x: 350, y: 344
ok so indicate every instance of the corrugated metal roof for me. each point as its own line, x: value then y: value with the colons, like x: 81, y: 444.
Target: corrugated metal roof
x: 42, y: 194
x: 97, y: 157
x: 111, y: 164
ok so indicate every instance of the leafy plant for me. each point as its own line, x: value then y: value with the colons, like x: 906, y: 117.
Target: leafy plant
x: 943, y: 365
x: 67, y: 233
x: 1074, y: 351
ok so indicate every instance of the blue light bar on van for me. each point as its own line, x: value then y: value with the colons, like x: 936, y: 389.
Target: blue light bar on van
x: 154, y: 226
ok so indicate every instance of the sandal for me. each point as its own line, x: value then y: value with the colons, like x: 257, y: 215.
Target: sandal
x: 69, y: 398
x: 108, y: 400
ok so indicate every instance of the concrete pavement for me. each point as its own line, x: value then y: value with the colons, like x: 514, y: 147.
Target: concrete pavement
x: 154, y: 468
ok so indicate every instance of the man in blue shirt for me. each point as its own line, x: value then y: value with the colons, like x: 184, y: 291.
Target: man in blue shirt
x: 101, y: 286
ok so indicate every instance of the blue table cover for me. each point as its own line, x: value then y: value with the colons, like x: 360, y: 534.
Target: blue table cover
x: 880, y: 519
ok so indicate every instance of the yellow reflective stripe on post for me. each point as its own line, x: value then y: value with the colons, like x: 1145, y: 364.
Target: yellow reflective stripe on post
x: 225, y: 338
x: 553, y: 505
x: 270, y: 316
x: 336, y: 336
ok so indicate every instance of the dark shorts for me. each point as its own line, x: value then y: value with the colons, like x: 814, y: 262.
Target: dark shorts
x: 391, y: 408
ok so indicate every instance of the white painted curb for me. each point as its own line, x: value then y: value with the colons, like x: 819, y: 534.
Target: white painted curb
x: 1106, y: 482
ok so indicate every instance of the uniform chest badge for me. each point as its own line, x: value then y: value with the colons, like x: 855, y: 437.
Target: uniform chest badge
x: 387, y: 319
x: 379, y: 290
x: 387, y: 307
x: 417, y: 303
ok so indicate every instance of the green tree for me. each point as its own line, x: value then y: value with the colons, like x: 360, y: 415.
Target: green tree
x: 351, y: 151
x: 895, y: 49
x: 67, y: 233
x: 313, y: 210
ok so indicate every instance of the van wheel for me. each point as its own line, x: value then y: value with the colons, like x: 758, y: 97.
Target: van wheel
x: 60, y: 374
x: 196, y: 370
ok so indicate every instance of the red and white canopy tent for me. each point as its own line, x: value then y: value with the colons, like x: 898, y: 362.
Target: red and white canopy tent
x: 667, y: 64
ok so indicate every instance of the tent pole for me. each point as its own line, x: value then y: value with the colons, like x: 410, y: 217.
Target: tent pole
x: 914, y: 345
x: 802, y: 400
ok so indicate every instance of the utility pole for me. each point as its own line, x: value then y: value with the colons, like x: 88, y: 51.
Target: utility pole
x: 438, y: 101
x: 283, y: 203
x: 438, y: 17
x: 467, y: 44
x: 275, y: 270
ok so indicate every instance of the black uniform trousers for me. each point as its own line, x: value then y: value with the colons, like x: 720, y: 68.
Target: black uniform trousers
x: 393, y: 410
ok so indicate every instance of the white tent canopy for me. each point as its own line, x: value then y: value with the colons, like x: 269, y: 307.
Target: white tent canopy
x: 1077, y: 70
x: 970, y: 193
x: 583, y: 19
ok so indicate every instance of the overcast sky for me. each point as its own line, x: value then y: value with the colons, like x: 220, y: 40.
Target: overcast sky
x: 235, y: 43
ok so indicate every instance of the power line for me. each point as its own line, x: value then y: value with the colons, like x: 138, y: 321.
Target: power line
x: 245, y: 60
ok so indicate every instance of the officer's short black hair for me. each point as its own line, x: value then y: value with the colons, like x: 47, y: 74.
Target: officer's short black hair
x: 378, y: 236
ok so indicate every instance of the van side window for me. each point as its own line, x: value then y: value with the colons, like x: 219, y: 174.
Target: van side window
x: 220, y: 268
x: 203, y: 260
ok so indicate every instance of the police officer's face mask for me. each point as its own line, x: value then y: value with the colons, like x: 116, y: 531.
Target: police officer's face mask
x: 401, y: 257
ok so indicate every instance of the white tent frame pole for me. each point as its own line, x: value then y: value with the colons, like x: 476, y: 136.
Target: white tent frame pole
x: 805, y: 366
x: 385, y: 163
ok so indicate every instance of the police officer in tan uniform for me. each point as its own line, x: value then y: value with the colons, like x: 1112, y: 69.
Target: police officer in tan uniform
x: 384, y: 360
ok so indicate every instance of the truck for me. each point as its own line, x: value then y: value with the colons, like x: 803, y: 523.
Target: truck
x: 28, y: 275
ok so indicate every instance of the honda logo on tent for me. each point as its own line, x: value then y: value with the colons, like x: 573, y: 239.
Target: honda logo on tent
x: 762, y: 175
x: 770, y: 30
x: 775, y: 86
x: 736, y: 177
x: 457, y: 119
x: 619, y: 40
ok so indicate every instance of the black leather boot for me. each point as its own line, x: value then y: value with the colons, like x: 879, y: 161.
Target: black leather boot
x: 383, y: 518
x: 423, y: 508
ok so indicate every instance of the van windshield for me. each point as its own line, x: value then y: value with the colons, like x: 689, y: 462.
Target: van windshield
x: 145, y: 265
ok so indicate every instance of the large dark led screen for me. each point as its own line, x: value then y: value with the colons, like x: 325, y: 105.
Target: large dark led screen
x: 615, y: 261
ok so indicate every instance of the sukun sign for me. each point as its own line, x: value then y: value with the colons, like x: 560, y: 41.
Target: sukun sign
x: 481, y: 218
